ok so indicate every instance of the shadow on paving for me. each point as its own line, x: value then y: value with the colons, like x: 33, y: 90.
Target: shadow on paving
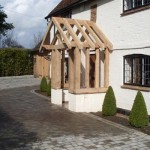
x: 12, y: 133
x: 40, y: 120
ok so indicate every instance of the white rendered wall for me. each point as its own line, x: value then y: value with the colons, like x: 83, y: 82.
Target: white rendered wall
x: 126, y: 33
x: 65, y: 95
x: 86, y: 102
x: 124, y: 97
x: 56, y: 96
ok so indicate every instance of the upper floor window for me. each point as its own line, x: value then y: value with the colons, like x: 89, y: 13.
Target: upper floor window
x: 137, y: 70
x: 133, y: 4
x: 67, y: 14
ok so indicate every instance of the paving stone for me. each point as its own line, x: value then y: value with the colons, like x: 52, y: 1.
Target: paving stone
x: 29, y: 122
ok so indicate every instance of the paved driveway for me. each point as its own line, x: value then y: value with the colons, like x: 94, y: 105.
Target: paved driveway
x: 18, y: 81
x: 29, y: 122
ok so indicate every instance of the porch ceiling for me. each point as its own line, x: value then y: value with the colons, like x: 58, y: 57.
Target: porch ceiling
x: 74, y: 33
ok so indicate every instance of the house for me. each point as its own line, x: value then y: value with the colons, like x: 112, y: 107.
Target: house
x: 107, y: 42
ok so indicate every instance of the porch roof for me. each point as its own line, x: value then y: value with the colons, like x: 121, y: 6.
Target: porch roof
x: 74, y: 33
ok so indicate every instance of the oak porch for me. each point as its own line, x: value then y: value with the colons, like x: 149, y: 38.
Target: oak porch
x: 74, y: 36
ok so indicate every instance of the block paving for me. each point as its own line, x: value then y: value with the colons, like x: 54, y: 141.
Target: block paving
x: 30, y: 122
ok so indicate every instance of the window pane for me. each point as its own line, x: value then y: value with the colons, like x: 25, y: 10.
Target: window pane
x: 146, y: 2
x: 127, y: 4
x: 131, y: 4
x: 137, y: 71
x: 128, y: 70
x: 146, y: 69
x: 137, y: 3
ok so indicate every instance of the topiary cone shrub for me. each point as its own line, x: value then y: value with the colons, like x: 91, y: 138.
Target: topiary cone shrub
x: 139, y: 116
x: 49, y: 88
x: 109, y: 104
x: 43, y: 85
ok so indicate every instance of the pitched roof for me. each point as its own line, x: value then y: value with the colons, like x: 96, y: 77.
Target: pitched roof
x: 93, y: 37
x: 63, y: 6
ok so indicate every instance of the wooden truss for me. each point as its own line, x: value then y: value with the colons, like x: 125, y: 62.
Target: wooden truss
x: 76, y: 35
x: 71, y: 33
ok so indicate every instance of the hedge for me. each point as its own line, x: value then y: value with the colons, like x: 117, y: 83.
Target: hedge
x: 43, y: 85
x: 15, y: 62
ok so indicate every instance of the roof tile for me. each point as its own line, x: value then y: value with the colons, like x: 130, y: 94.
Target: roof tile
x: 63, y: 4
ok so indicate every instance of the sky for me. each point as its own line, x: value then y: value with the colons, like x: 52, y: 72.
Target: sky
x: 27, y: 17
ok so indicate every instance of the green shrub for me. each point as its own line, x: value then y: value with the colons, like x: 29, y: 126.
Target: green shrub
x: 138, y: 115
x: 15, y: 62
x: 109, y: 104
x: 49, y: 88
x: 43, y: 85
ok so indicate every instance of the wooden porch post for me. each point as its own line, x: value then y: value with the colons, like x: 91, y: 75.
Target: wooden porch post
x: 71, y: 69
x: 97, y: 69
x: 87, y: 69
x: 56, y: 69
x: 106, y: 68
x: 77, y: 68
x: 53, y: 69
x: 63, y: 68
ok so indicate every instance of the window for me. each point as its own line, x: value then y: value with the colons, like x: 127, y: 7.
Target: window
x: 137, y: 3
x: 137, y: 70
x: 146, y: 2
x: 67, y: 14
x: 133, y: 4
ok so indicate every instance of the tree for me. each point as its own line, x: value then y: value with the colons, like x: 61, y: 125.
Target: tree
x: 109, y: 104
x: 4, y: 26
x: 139, y: 115
x: 10, y: 41
x: 37, y: 39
